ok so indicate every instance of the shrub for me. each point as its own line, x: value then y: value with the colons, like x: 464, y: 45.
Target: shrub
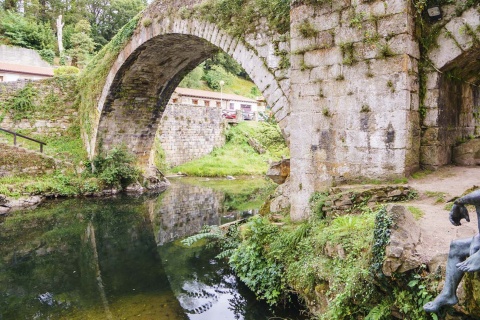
x: 47, y: 55
x: 215, y: 75
x: 65, y: 70
x: 116, y: 169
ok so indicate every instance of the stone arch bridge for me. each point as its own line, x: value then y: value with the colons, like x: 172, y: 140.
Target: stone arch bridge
x: 360, y: 99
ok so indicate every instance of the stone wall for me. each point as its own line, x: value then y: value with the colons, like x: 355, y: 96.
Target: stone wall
x: 354, y: 94
x: 452, y: 94
x: 17, y: 161
x: 185, y: 209
x: 189, y: 132
x: 53, y: 106
x: 23, y: 56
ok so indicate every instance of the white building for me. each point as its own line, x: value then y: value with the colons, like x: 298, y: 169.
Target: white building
x: 225, y: 101
x: 19, y: 63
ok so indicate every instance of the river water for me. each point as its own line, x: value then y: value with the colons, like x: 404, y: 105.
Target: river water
x: 121, y: 258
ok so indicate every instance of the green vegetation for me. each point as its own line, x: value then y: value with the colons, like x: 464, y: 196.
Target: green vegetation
x: 240, y: 17
x: 221, y: 67
x: 307, y: 30
x: 115, y: 169
x: 335, y: 258
x: 57, y: 184
x: 27, y: 32
x: 21, y: 104
x: 92, y: 79
x: 237, y: 157
x: 416, y: 212
x: 65, y: 70
x: 35, y: 27
x: 82, y: 43
x: 439, y: 196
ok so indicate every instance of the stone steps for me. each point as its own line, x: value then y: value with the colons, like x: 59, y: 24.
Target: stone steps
x: 29, y: 152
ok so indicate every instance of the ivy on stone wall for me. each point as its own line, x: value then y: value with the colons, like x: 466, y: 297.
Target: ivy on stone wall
x: 93, y: 77
x: 239, y: 17
x: 21, y: 104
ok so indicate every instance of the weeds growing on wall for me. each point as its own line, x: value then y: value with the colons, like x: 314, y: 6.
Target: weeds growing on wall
x: 21, y: 104
x: 239, y: 17
x: 93, y: 77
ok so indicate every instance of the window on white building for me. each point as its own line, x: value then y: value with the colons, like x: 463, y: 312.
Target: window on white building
x: 232, y: 106
x: 246, y: 107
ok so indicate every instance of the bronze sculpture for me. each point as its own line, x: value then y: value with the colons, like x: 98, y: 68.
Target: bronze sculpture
x: 464, y: 254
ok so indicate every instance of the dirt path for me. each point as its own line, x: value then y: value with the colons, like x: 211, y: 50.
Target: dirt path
x: 437, y: 231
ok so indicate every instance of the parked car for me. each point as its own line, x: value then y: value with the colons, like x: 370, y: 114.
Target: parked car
x: 262, y: 116
x: 229, y: 114
x: 248, y: 115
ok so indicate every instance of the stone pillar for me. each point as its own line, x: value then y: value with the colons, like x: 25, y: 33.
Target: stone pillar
x: 354, y: 95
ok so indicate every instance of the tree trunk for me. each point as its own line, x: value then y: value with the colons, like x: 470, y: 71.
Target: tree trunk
x: 60, y: 25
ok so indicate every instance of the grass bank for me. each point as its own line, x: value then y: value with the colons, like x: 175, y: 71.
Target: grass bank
x: 239, y: 156
x: 334, y: 264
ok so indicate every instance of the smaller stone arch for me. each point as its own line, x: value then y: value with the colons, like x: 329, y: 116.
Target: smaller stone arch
x: 452, y: 90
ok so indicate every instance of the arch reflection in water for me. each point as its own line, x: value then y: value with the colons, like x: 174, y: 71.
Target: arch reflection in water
x: 99, y: 259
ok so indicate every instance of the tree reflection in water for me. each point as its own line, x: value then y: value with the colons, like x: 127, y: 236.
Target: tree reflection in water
x: 100, y: 259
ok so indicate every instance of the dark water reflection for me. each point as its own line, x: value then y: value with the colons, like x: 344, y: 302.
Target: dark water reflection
x: 120, y: 258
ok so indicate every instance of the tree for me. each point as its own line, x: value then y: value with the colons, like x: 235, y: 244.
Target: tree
x: 20, y: 31
x: 107, y: 17
x: 82, y: 43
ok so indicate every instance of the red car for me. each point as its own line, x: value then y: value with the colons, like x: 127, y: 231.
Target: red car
x: 229, y: 114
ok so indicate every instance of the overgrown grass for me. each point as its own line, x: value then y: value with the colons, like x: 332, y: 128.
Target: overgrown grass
x: 235, y: 84
x: 68, y: 147
x: 54, y: 184
x: 336, y: 259
x: 237, y: 157
x: 416, y: 212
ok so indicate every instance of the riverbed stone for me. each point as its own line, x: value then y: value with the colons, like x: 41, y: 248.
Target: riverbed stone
x: 279, y: 171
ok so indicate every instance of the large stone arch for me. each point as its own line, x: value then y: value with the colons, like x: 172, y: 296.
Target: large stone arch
x: 452, y: 90
x: 154, y: 61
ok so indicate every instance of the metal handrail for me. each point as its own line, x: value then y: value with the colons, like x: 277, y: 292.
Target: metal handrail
x: 15, y: 134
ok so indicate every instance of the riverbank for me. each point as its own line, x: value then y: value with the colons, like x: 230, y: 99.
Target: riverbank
x: 120, y: 257
x: 364, y: 259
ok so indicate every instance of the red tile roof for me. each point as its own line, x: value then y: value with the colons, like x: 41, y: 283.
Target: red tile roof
x: 211, y: 95
x: 17, y: 68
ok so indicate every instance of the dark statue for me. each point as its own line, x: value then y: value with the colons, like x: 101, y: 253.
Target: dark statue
x: 464, y: 255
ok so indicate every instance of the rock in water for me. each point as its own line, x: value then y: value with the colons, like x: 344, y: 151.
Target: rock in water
x: 279, y: 171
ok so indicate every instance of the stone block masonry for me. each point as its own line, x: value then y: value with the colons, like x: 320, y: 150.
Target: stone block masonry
x: 189, y: 132
x: 52, y: 101
x: 353, y: 95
